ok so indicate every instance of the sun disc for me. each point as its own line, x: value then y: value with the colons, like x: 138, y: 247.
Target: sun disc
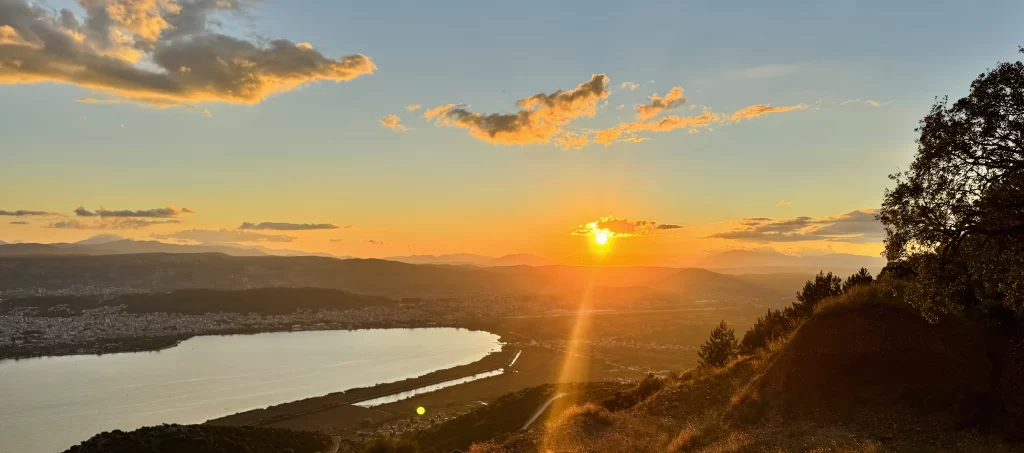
x: 601, y: 238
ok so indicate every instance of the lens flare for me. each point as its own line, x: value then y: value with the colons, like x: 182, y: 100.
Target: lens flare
x: 421, y: 410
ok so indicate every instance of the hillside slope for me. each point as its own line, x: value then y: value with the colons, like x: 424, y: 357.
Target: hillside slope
x: 858, y: 378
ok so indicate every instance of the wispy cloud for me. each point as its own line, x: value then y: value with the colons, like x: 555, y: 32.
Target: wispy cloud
x: 666, y: 124
x: 19, y: 222
x: 115, y: 223
x: 784, y: 204
x: 630, y: 85
x: 392, y: 122
x: 870, y: 102
x: 167, y: 212
x: 159, y: 53
x: 854, y: 226
x: 413, y: 107
x: 224, y: 236
x: 755, y: 111
x: 23, y: 212
x: 612, y: 226
x: 281, y: 226
x: 376, y: 242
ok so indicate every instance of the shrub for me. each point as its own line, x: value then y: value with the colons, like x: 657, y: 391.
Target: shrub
x: 643, y: 390
x: 862, y: 277
x: 720, y: 348
x: 772, y: 326
x: 823, y: 286
x: 389, y: 445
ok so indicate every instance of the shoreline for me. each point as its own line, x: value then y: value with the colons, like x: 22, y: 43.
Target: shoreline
x: 160, y: 343
x: 312, y: 405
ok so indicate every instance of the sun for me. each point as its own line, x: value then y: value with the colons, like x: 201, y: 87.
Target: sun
x: 601, y: 238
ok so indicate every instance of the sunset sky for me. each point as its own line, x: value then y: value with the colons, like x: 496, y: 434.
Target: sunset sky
x: 365, y: 128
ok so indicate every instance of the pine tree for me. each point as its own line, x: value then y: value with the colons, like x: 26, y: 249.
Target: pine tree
x: 720, y: 348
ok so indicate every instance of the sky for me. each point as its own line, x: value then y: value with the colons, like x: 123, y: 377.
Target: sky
x: 373, y: 129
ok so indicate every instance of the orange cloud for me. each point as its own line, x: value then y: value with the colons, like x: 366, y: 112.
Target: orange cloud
x: 393, y: 122
x: 632, y: 86
x: 669, y: 123
x: 612, y: 226
x: 673, y: 99
x: 755, y: 111
x: 413, y: 107
x: 541, y: 117
x: 185, y: 61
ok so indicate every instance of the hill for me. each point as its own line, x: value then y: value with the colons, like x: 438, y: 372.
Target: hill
x: 860, y: 375
x: 205, y: 439
x: 771, y: 262
x: 162, y: 272
x: 268, y: 301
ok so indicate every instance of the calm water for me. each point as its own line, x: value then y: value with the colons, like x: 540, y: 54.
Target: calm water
x: 49, y: 404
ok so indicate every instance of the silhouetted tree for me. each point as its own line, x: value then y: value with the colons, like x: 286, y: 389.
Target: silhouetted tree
x: 862, y: 277
x: 720, y: 348
x: 956, y: 217
x: 814, y: 291
x: 773, y: 325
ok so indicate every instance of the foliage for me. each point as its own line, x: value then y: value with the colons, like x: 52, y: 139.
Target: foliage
x: 862, y: 277
x: 956, y: 217
x: 205, y: 439
x: 643, y: 390
x: 814, y: 291
x: 774, y: 325
x: 389, y: 445
x: 720, y: 348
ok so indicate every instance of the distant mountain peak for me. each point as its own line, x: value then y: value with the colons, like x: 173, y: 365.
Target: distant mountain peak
x: 102, y: 239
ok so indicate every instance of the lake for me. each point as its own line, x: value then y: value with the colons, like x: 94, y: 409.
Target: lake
x: 49, y: 404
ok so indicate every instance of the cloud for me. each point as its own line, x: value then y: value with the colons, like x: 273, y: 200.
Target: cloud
x: 19, y: 222
x: 224, y: 236
x: 784, y: 204
x: 632, y: 86
x: 570, y: 140
x: 117, y: 223
x: 22, y: 212
x: 207, y: 113
x: 376, y: 242
x: 854, y: 226
x: 413, y: 107
x: 870, y: 102
x: 666, y: 124
x: 755, y: 111
x: 159, y: 53
x: 541, y: 118
x: 621, y: 227
x: 620, y: 107
x: 281, y: 226
x: 393, y: 122
x: 673, y: 99
x: 167, y: 212
x: 336, y: 240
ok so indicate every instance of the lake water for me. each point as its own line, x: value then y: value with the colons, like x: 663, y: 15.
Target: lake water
x: 49, y: 404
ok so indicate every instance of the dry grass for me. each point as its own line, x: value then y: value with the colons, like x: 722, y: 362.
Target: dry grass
x: 881, y: 293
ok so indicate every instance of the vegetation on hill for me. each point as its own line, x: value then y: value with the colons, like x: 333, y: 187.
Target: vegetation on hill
x: 955, y: 219
x: 269, y: 301
x: 205, y: 439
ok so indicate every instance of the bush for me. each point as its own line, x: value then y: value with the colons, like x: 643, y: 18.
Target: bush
x: 823, y: 286
x: 643, y: 390
x: 388, y: 445
x: 862, y: 277
x: 772, y: 326
x: 720, y: 348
